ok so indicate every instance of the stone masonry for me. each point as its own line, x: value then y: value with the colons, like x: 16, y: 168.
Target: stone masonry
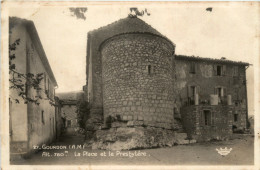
x: 137, y: 79
x: 142, y: 95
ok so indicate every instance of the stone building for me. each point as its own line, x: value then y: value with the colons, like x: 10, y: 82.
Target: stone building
x: 212, y: 96
x: 30, y: 124
x: 143, y: 95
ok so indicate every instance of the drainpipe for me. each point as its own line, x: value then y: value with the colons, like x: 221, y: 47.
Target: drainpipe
x: 247, y: 122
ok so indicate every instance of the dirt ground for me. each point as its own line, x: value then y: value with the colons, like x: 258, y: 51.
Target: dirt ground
x: 194, y: 154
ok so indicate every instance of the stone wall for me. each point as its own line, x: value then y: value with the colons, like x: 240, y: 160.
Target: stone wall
x: 94, y: 91
x: 137, y: 79
x: 240, y: 122
x: 220, y: 125
x: 206, y: 81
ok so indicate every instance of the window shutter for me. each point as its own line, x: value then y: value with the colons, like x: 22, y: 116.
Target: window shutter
x: 215, y: 70
x: 216, y: 90
x: 224, y: 69
x: 45, y: 82
x: 197, y: 89
x: 48, y: 88
x: 224, y: 91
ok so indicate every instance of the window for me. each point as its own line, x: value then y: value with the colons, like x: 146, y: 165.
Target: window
x: 235, y: 117
x: 207, y: 117
x: 235, y: 71
x: 192, y: 68
x: 219, y: 70
x: 43, y: 117
x: 69, y: 123
x: 51, y: 91
x: 45, y: 83
x: 192, y: 91
x: 48, y: 88
x: 220, y: 91
x: 149, y: 69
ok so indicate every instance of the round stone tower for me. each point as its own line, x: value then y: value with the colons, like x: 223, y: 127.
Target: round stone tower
x: 137, y: 74
x: 131, y: 77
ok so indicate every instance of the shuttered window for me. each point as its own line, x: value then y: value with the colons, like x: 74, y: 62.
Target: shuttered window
x: 235, y: 71
x: 45, y: 83
x: 219, y: 70
x: 193, y: 67
x: 192, y: 91
x: 220, y: 91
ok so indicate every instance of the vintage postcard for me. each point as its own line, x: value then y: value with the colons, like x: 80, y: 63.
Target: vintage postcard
x: 130, y: 85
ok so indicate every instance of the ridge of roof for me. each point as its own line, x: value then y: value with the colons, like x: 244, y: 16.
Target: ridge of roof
x: 210, y: 59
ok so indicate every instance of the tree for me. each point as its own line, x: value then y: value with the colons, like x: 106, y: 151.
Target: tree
x: 83, y: 113
x: 134, y: 12
x: 20, y: 81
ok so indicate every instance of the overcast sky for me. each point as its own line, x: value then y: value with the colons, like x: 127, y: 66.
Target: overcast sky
x: 230, y: 31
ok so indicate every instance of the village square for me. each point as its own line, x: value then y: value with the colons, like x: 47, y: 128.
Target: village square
x: 142, y: 102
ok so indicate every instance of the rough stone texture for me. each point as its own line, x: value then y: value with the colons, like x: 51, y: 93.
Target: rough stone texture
x: 129, y: 90
x: 220, y: 127
x: 204, y: 73
x: 125, y: 138
x: 138, y: 137
x: 206, y: 81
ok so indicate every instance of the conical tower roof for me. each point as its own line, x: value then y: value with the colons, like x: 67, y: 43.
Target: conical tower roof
x: 123, y: 26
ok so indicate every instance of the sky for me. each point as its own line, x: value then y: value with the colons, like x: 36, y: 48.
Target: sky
x: 230, y: 31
